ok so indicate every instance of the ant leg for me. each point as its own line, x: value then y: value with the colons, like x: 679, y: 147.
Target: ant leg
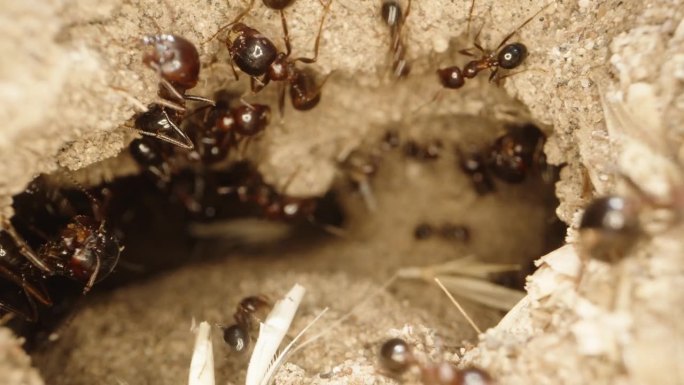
x: 286, y: 34
x: 93, y: 277
x: 170, y: 104
x: 196, y: 98
x: 25, y: 249
x: 408, y: 11
x: 257, y: 84
x: 239, y: 17
x: 185, y: 143
x: 171, y: 88
x: 318, y: 37
x: 493, y: 77
x: 281, y: 99
x: 509, y: 74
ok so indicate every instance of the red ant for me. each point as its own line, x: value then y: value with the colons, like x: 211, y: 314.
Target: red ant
x: 396, y: 358
x: 258, y: 57
x: 250, y: 309
x: 511, y: 158
x: 176, y: 61
x: 504, y: 56
x: 392, y: 16
x: 85, y: 250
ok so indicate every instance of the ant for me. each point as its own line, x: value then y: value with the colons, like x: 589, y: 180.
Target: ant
x: 447, y: 231
x: 396, y: 357
x: 513, y: 155
x: 609, y: 227
x: 84, y: 250
x: 511, y: 158
x: 392, y: 16
x: 249, y: 310
x: 176, y: 61
x: 474, y: 165
x: 504, y: 56
x: 255, y: 55
x: 427, y: 152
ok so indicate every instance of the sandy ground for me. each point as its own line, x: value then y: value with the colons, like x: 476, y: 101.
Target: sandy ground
x: 606, y: 76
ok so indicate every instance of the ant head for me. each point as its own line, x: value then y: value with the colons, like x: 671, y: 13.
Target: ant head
x: 512, y: 55
x: 237, y: 337
x: 609, y: 227
x: 175, y: 58
x: 251, y: 120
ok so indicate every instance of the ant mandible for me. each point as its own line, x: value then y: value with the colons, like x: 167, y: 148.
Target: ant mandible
x: 257, y: 56
x: 85, y: 250
x: 504, y: 56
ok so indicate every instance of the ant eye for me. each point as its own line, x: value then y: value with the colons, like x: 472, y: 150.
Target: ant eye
x: 512, y: 55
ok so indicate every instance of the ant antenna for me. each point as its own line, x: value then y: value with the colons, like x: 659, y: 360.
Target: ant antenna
x: 458, y: 306
x: 521, y: 25
x: 318, y: 37
x: 239, y: 17
x: 470, y: 16
x: 93, y: 200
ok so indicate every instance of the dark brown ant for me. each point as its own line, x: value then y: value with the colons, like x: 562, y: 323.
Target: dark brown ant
x: 392, y: 16
x: 176, y: 61
x: 504, y: 56
x: 84, y: 249
x: 447, y: 231
x: 424, y: 152
x: 609, y: 228
x: 249, y: 312
x: 391, y: 140
x: 474, y: 165
x: 255, y: 55
x: 225, y: 126
x: 518, y: 152
x: 396, y: 358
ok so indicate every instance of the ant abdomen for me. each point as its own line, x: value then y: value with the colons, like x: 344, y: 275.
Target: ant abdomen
x: 251, y: 51
x: 304, y: 92
x: 174, y: 57
x: 512, y: 55
x: 251, y: 120
x: 451, y: 77
x: 278, y: 4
